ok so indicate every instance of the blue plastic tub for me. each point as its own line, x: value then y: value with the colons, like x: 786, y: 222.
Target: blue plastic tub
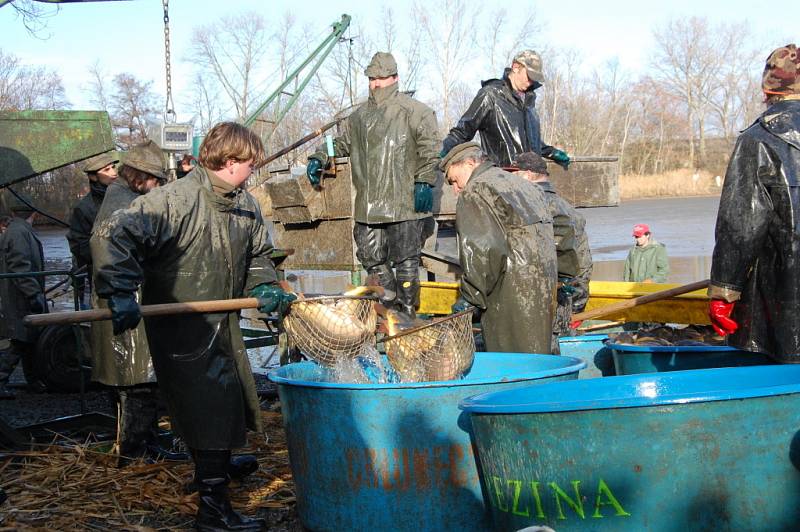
x: 378, y: 457
x: 632, y: 359
x: 592, y: 349
x: 713, y: 449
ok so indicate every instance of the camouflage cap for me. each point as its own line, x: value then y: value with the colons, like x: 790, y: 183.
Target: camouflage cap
x: 382, y: 65
x: 532, y: 162
x: 782, y: 71
x: 98, y: 162
x: 459, y: 153
x: 146, y: 157
x: 532, y: 63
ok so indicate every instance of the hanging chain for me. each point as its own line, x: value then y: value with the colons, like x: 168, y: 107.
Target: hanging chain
x: 169, y: 114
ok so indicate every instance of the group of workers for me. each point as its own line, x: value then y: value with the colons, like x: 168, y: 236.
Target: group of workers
x: 522, y: 248
x: 520, y: 244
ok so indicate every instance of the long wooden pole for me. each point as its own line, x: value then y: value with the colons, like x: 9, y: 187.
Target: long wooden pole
x: 164, y: 309
x: 638, y: 301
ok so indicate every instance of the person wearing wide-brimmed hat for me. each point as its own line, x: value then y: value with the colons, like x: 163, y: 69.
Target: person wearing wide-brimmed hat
x: 123, y: 361
x: 755, y: 268
x: 507, y: 251
x: 101, y: 172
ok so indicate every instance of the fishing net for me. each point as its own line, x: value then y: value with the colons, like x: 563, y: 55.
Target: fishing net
x: 327, y: 329
x: 440, y: 351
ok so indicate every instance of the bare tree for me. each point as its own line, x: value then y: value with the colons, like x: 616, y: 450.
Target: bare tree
x: 34, y: 15
x: 26, y: 87
x: 203, y: 99
x: 133, y: 105
x: 232, y: 57
x: 507, y: 38
x: 97, y: 86
x: 448, y: 33
x: 686, y: 63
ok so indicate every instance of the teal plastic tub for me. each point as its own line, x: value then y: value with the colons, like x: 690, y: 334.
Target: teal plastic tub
x: 632, y: 359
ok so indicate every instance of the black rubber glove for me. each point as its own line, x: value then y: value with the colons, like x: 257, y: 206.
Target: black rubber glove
x: 125, y: 312
x: 38, y: 303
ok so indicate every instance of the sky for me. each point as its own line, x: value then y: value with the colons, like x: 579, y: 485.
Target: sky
x: 127, y: 36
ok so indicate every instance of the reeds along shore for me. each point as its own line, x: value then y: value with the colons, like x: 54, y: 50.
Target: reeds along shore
x: 671, y: 184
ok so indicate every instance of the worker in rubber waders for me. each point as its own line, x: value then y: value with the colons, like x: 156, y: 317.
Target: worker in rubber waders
x: 506, y: 249
x: 504, y: 113
x: 572, y: 246
x: 101, y: 170
x: 198, y: 238
x: 123, y: 361
x: 20, y: 252
x: 391, y: 140
x: 755, y: 269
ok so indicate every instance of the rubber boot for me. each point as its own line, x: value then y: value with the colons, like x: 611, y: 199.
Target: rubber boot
x: 385, y: 277
x: 9, y: 359
x: 408, y: 288
x: 138, y: 423
x: 239, y: 467
x: 215, y: 512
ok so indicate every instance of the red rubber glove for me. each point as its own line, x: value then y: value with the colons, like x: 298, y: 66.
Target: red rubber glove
x: 575, y: 324
x: 720, y: 313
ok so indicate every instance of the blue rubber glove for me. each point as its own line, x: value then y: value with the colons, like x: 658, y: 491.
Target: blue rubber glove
x: 272, y: 297
x: 423, y: 197
x: 460, y: 306
x: 443, y: 153
x: 566, y: 286
x: 314, y: 171
x: 125, y: 312
x: 560, y: 158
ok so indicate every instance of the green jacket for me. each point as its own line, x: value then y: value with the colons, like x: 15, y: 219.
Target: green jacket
x: 183, y: 242
x: 392, y: 141
x: 648, y: 262
x: 122, y: 360
x: 20, y: 252
x: 508, y: 256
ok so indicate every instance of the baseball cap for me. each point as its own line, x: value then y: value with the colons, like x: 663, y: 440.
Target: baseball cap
x: 640, y: 229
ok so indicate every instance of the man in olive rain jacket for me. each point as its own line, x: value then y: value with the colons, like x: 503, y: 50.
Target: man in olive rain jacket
x: 198, y: 238
x: 507, y: 251
x: 392, y: 144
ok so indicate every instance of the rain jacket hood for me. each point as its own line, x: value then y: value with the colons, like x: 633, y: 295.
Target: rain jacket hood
x: 508, y: 256
x: 756, y: 259
x: 187, y: 243
x: 392, y: 143
x: 507, y: 122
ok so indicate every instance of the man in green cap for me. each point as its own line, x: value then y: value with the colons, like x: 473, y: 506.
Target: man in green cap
x: 101, y: 171
x: 504, y: 113
x: 506, y: 249
x: 20, y: 252
x: 392, y: 144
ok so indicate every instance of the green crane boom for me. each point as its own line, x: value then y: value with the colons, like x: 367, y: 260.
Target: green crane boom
x: 317, y: 57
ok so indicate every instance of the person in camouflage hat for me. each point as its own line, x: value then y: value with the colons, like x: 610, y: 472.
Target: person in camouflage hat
x: 782, y: 72
x: 392, y: 144
x: 101, y: 172
x: 755, y: 269
x: 504, y: 113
